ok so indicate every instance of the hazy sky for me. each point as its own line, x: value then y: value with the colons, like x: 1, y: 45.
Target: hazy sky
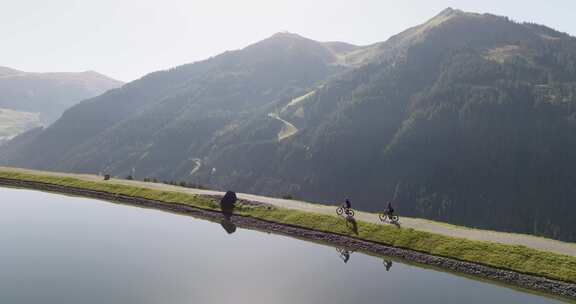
x: 127, y: 39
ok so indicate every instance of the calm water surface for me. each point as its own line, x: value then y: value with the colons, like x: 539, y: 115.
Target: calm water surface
x: 58, y: 249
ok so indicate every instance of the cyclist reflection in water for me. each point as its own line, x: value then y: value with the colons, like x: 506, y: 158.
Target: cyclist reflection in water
x: 388, y: 264
x: 344, y: 254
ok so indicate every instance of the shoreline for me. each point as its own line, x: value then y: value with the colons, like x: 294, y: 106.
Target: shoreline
x: 509, y: 277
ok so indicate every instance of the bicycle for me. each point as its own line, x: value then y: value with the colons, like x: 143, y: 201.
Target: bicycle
x: 343, y: 210
x: 385, y: 217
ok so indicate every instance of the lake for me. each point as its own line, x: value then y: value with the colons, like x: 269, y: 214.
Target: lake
x: 60, y: 249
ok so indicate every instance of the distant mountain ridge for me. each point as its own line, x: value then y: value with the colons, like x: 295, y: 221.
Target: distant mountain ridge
x: 49, y: 93
x: 467, y: 118
x: 5, y: 71
x: 29, y: 100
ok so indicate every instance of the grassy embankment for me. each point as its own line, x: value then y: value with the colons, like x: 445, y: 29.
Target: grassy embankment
x: 516, y: 258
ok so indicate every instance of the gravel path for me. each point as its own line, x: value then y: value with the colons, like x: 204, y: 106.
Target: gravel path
x: 287, y: 130
x: 405, y: 222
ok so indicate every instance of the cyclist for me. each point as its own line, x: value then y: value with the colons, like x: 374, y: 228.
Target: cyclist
x: 389, y: 210
x: 348, y: 204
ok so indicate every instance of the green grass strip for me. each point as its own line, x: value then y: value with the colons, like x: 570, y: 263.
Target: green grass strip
x: 512, y: 257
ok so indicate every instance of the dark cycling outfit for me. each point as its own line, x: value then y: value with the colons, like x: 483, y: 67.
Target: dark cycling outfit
x: 389, y: 209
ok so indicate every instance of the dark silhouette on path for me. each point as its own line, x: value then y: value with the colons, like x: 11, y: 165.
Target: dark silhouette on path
x: 227, y: 204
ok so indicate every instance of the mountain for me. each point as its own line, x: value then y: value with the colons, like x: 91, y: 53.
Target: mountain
x: 30, y: 100
x: 467, y: 118
x: 49, y: 94
x: 156, y: 123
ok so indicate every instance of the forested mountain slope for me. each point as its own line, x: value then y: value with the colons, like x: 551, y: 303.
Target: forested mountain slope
x: 155, y: 124
x: 467, y: 118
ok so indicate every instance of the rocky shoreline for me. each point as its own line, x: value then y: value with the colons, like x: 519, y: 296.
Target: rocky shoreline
x: 554, y: 287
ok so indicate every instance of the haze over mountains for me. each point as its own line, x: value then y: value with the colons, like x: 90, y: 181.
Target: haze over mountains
x: 28, y: 100
x: 467, y: 118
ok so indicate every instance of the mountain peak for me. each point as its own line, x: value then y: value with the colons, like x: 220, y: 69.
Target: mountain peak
x: 446, y: 11
x: 449, y: 18
x: 286, y: 34
x: 450, y: 11
x: 287, y: 37
x: 94, y: 74
x: 286, y: 40
x: 448, y: 14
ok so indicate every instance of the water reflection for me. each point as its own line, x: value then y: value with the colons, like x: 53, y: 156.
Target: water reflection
x: 344, y: 254
x: 387, y: 264
x: 228, y: 226
x: 67, y: 250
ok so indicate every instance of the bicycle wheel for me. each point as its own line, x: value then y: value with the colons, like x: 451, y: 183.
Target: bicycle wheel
x: 382, y: 217
x: 350, y: 213
x: 395, y: 219
x: 339, y: 210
